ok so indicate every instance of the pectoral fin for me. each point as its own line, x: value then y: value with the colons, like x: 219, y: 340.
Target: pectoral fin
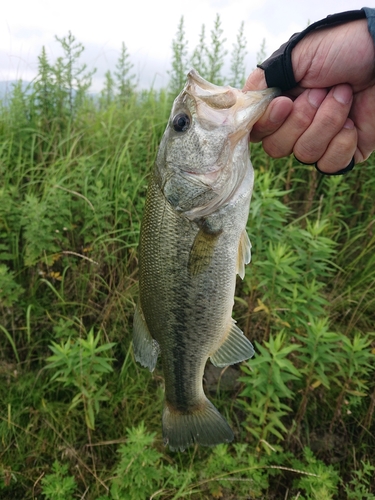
x: 235, y: 348
x: 146, y: 349
x: 244, y: 254
x: 202, y: 250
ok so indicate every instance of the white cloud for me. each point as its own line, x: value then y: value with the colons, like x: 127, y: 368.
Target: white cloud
x: 147, y: 27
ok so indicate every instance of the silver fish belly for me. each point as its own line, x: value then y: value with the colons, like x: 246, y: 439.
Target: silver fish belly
x: 193, y: 243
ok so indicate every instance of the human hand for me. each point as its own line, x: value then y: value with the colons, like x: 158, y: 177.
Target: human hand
x: 330, y: 117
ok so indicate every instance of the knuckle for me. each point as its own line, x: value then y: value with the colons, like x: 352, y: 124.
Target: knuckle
x: 302, y: 120
x: 307, y: 152
x: 340, y: 152
x: 332, y: 121
x: 276, y: 148
x: 330, y: 164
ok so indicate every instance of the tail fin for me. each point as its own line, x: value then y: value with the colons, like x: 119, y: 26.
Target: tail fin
x: 204, y: 426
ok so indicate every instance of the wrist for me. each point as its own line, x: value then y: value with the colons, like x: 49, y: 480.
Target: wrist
x: 279, y: 71
x: 370, y: 16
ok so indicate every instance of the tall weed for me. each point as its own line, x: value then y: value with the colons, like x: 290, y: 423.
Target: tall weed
x: 73, y: 177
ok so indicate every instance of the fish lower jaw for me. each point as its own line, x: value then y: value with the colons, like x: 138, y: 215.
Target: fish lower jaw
x: 208, y: 178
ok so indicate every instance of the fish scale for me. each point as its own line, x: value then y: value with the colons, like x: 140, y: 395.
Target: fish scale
x: 192, y: 243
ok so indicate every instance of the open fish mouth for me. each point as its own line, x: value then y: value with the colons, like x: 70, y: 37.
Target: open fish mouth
x: 243, y: 108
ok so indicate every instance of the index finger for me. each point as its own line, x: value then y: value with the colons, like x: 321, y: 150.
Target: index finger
x: 275, y: 115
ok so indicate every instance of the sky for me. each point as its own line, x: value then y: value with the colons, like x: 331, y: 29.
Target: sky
x: 147, y: 27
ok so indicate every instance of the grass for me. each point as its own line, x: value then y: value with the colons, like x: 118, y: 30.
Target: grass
x: 79, y: 418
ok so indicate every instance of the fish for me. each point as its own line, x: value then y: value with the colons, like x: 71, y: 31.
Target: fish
x: 193, y: 243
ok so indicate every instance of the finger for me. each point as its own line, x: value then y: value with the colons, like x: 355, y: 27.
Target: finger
x: 256, y: 81
x: 282, y: 142
x: 274, y: 116
x: 362, y: 113
x: 340, y: 150
x: 328, y: 122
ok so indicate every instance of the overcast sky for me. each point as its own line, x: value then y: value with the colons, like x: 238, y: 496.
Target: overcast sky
x: 147, y: 27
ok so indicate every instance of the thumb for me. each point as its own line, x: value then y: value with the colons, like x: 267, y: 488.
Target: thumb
x: 256, y: 81
x: 276, y: 113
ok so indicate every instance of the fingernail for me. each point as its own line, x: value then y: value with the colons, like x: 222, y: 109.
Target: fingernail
x: 349, y: 124
x: 316, y: 97
x: 343, y: 94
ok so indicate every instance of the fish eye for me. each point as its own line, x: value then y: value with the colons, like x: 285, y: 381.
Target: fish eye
x: 181, y: 122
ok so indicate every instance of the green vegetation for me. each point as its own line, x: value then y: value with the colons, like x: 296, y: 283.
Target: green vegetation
x: 78, y: 417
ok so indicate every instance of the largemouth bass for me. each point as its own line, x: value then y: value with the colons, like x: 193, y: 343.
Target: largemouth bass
x: 193, y: 242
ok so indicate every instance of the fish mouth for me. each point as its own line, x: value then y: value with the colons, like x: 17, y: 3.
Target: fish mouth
x: 227, y: 104
x: 218, y: 97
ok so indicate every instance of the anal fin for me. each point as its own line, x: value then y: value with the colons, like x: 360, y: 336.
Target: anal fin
x: 146, y: 349
x: 235, y: 348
